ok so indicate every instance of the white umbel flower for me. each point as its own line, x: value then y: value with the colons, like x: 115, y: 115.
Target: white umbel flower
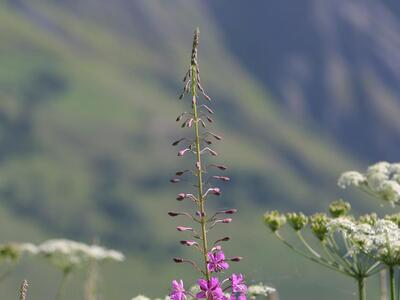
x: 259, y: 290
x: 66, y: 253
x: 381, y: 180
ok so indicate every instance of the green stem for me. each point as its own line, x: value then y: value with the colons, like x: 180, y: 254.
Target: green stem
x: 361, y: 288
x: 201, y: 200
x: 320, y: 261
x: 302, y: 239
x: 63, y: 283
x: 391, y: 283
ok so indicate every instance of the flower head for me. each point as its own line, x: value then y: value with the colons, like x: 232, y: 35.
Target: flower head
x: 319, y: 225
x: 216, y: 261
x: 297, y: 220
x: 274, y: 220
x: 339, y: 208
x: 177, y: 290
x: 210, y: 290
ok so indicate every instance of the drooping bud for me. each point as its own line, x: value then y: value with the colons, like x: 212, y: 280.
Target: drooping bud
x: 182, y: 152
x: 221, y: 167
x: 180, y: 173
x: 189, y: 243
x: 178, y: 260
x: 209, y: 119
x: 217, y: 137
x: 297, y: 220
x: 228, y: 211
x: 184, y: 228
x: 274, y: 220
x: 181, y: 196
x: 174, y: 180
x: 236, y: 258
x: 227, y: 220
x: 178, y: 141
x: 214, y: 191
x: 173, y: 214
x: 223, y: 178
x: 339, y: 208
x: 224, y: 239
x: 319, y: 225
x: 208, y: 109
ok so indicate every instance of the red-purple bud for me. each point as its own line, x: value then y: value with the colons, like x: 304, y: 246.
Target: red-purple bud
x: 207, y: 97
x: 177, y: 142
x: 208, y: 109
x: 190, y: 123
x: 182, y: 152
x: 236, y: 258
x: 223, y: 178
x: 217, y: 137
x: 200, y: 214
x: 227, y: 220
x: 181, y: 196
x: 198, y: 166
x: 180, y: 173
x: 183, y: 228
x: 215, y: 191
x: 189, y: 243
x: 173, y: 214
x: 178, y: 260
x: 225, y: 239
x: 229, y: 211
x: 209, y: 120
x: 174, y: 180
x: 202, y: 123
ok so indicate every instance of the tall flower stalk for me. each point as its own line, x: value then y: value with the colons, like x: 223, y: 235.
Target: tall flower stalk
x: 209, y: 286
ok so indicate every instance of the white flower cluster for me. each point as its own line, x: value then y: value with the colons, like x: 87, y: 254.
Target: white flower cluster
x: 67, y: 253
x: 259, y: 290
x: 12, y: 251
x: 381, y: 180
x: 380, y: 240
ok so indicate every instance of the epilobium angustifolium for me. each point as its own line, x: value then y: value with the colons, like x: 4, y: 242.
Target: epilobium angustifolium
x: 198, y: 145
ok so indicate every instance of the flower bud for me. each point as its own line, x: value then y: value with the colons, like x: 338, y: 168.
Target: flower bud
x: 223, y: 178
x: 296, y: 220
x: 183, y: 228
x: 227, y: 220
x: 181, y: 196
x: 173, y: 214
x: 339, y: 208
x: 178, y: 260
x: 215, y: 191
x: 174, y: 180
x: 182, y: 152
x: 178, y: 141
x: 228, y: 211
x: 319, y: 225
x: 189, y: 243
x: 236, y: 258
x: 274, y: 220
x: 372, y: 218
x: 208, y: 109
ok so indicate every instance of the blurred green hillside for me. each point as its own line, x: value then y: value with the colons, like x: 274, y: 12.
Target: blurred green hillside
x: 88, y: 101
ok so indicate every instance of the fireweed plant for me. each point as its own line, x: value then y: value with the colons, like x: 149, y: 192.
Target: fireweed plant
x: 357, y: 247
x: 214, y: 261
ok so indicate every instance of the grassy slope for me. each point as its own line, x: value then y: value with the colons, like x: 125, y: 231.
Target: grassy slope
x: 114, y: 112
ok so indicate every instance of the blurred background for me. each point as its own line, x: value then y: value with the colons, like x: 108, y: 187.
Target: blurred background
x: 303, y: 90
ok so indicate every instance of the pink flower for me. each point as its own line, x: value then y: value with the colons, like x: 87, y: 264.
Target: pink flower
x: 239, y: 288
x: 216, y: 261
x: 177, y: 291
x: 210, y: 290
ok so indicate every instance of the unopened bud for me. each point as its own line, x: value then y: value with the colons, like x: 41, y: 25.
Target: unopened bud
x: 209, y: 120
x: 175, y: 180
x: 189, y: 243
x: 223, y: 178
x: 208, y: 109
x: 183, y: 228
x: 227, y: 220
x: 178, y: 260
x: 236, y: 258
x: 173, y: 214
x: 215, y: 191
x: 182, y: 152
x: 229, y: 211
x: 177, y: 142
x: 181, y: 196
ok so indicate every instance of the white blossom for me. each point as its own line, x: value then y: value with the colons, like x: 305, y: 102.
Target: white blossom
x: 66, y: 253
x: 381, y: 180
x: 140, y: 297
x: 259, y: 290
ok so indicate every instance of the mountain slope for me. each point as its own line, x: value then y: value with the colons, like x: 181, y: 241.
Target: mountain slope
x: 87, y: 118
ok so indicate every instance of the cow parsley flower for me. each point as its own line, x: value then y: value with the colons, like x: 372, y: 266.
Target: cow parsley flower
x: 381, y: 180
x: 260, y: 290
